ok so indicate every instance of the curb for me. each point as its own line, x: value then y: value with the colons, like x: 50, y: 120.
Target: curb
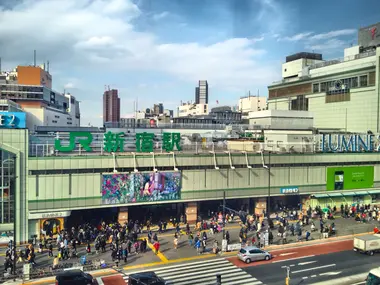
x: 314, y: 242
x: 50, y: 280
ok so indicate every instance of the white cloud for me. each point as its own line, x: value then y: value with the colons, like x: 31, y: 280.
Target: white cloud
x: 310, y: 36
x: 69, y: 85
x: 297, y: 37
x: 333, y: 34
x: 331, y: 44
x: 100, y: 34
x: 160, y: 16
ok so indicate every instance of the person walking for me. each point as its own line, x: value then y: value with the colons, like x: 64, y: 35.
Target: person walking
x: 175, y: 242
x: 191, y: 238
x: 198, y: 246
x: 50, y: 248
x: 156, y: 247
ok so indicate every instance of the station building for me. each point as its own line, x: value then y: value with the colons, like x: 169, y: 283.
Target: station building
x: 341, y: 93
x: 48, y: 190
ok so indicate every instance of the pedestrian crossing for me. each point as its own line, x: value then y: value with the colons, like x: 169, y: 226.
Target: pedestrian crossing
x: 204, y: 273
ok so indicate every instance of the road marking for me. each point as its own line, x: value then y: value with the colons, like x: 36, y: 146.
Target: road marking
x: 307, y: 262
x: 305, y: 277
x: 189, y: 266
x: 314, y: 268
x: 293, y: 258
x: 100, y: 281
x: 158, y: 263
x: 312, y: 276
x: 291, y: 265
x: 289, y: 253
x: 330, y: 273
x: 159, y: 253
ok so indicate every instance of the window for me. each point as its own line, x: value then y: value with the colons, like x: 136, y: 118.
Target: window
x: 253, y: 251
x: 354, y: 82
x: 323, y: 86
x: 363, y: 80
x: 300, y: 104
x: 316, y: 88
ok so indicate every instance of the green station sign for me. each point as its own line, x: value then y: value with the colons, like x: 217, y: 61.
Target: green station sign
x: 114, y: 142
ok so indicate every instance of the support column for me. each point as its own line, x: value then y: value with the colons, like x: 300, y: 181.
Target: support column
x: 123, y: 215
x: 191, y: 211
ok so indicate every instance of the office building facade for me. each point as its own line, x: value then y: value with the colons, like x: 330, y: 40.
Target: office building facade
x: 111, y: 106
x: 341, y: 94
x: 201, y: 92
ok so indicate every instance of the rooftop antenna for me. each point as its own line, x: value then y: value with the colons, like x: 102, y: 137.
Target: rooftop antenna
x: 35, y: 58
x: 0, y: 65
x: 48, y: 65
x: 258, y: 92
x: 109, y: 88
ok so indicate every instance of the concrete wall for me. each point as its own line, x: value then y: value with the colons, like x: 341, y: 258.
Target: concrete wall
x: 72, y: 190
x: 16, y: 142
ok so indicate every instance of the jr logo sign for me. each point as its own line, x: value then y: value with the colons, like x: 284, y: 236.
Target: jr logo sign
x: 84, y: 139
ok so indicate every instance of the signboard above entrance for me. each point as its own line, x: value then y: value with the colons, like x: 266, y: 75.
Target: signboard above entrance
x: 350, y: 143
x: 289, y: 190
x: 12, y: 120
x: 114, y: 142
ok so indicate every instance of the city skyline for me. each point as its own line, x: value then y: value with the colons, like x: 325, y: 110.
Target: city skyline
x: 160, y: 49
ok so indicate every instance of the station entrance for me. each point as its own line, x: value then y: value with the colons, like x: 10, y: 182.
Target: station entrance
x: 156, y: 212
x: 92, y: 216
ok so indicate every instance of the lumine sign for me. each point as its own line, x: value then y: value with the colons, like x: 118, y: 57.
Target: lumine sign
x: 350, y: 143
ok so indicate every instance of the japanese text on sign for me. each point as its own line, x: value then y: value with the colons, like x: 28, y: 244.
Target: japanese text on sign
x: 114, y: 142
x: 289, y: 190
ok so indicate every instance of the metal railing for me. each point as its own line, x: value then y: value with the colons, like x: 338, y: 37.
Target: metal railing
x: 48, y: 149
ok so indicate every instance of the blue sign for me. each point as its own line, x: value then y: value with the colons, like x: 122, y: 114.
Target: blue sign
x: 350, y: 143
x: 12, y: 120
x: 289, y: 190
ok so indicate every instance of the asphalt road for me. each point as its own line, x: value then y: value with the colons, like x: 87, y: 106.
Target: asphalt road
x: 318, y: 268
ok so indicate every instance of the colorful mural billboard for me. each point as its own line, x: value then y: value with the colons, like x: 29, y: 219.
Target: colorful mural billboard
x: 140, y: 187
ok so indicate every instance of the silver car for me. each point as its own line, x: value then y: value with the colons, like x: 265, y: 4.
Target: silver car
x: 252, y: 253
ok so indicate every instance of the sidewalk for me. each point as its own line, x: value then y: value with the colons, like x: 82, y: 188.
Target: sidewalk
x: 49, y: 280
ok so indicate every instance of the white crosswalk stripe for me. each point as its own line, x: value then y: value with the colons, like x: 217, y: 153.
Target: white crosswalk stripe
x: 204, y: 273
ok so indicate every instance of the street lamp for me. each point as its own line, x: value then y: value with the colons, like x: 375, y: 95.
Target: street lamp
x: 267, y: 167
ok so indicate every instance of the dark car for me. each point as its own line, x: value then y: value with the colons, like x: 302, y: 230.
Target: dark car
x: 145, y: 278
x: 74, y: 277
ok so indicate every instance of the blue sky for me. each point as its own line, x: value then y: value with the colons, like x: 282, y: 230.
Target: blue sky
x: 156, y: 50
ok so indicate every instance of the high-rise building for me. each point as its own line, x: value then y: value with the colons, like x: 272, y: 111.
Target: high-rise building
x: 158, y: 109
x: 30, y: 88
x: 111, y: 106
x: 196, y: 95
x: 201, y: 92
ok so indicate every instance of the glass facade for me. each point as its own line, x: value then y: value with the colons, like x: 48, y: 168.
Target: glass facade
x: 7, y: 187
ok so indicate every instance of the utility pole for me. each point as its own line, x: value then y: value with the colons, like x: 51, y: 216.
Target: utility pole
x: 268, y: 206
x: 224, y: 213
